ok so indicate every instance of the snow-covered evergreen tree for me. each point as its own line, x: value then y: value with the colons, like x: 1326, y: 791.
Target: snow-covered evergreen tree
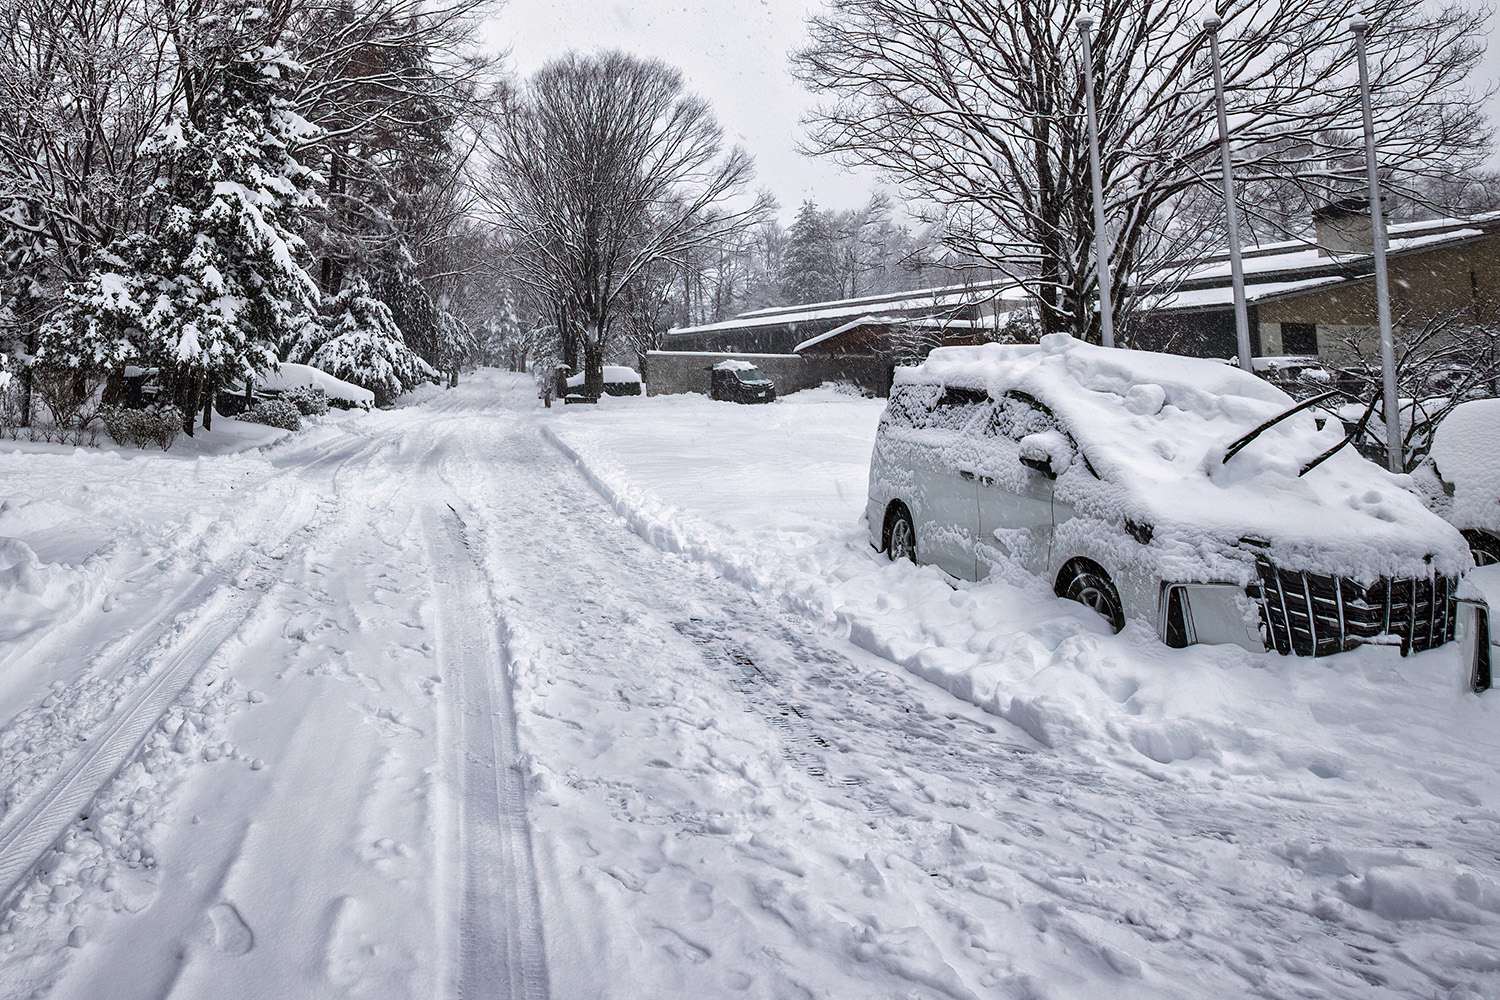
x: 206, y: 289
x: 356, y: 339
x: 807, y: 262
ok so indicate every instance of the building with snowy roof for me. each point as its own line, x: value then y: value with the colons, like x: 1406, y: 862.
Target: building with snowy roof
x: 1318, y: 298
x: 1304, y: 298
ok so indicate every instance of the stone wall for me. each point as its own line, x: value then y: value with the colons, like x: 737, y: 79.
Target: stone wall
x: 687, y: 371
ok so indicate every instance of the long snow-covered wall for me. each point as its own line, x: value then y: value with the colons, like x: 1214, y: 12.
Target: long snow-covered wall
x: 669, y: 372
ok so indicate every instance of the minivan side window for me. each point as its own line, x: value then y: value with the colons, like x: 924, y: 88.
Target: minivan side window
x: 1017, y: 415
x: 957, y: 407
x: 911, y: 405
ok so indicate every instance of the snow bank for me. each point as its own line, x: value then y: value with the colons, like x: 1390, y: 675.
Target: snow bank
x: 34, y: 594
x: 1466, y: 451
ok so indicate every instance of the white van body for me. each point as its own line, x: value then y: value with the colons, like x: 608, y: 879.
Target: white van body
x: 1104, y: 471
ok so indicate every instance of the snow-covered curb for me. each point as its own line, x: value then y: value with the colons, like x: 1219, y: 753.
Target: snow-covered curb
x: 672, y: 530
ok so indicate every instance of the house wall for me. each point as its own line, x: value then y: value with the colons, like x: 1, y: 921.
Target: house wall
x: 1461, y: 280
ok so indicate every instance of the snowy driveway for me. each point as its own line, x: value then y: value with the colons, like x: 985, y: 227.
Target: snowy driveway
x: 455, y: 725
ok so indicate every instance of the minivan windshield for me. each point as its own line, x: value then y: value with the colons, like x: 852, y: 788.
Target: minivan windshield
x: 749, y: 375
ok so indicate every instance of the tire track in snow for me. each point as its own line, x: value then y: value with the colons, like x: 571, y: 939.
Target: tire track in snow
x: 29, y: 833
x: 204, y: 618
x: 500, y: 948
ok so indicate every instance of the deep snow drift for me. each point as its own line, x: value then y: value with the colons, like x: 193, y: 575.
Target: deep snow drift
x: 709, y: 789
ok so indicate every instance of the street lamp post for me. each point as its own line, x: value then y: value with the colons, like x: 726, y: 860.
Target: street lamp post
x: 1101, y: 235
x: 1392, y: 404
x: 1211, y: 24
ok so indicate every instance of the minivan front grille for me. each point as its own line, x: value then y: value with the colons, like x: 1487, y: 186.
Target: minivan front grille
x: 1314, y: 615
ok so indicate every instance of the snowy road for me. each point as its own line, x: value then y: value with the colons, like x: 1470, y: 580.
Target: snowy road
x: 403, y: 708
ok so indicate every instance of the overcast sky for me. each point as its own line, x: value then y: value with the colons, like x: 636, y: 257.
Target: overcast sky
x: 734, y: 53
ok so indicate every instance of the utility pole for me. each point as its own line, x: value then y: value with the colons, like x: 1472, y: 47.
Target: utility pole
x: 1211, y: 24
x: 1393, y: 449
x: 1101, y: 236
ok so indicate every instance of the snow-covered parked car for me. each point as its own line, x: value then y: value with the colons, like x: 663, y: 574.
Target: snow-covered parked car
x: 618, y: 381
x: 1298, y: 375
x: 1460, y: 477
x: 736, y: 381
x: 1181, y: 492
x: 288, y: 377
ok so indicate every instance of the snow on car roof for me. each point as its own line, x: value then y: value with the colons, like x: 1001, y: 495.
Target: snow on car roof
x: 1466, y: 450
x: 294, y: 376
x: 1156, y: 426
x: 733, y: 365
x: 613, y: 375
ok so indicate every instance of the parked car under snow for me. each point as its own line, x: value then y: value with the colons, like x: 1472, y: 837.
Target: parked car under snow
x: 288, y: 377
x: 618, y: 381
x: 1177, y: 491
x: 1460, y: 478
x: 737, y: 381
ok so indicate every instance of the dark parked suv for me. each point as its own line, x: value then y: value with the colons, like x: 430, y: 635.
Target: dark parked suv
x: 740, y: 382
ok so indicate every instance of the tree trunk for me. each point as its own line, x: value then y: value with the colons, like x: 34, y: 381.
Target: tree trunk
x: 593, y: 365
x: 185, y: 392
x: 27, y: 379
x: 208, y: 408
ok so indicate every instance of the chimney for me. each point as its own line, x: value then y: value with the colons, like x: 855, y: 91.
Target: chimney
x: 1344, y: 227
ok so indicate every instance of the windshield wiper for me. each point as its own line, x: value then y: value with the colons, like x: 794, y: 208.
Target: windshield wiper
x: 1239, y: 445
x: 1355, y: 432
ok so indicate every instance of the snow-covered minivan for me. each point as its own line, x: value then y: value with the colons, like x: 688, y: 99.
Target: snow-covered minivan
x: 1181, y: 492
x: 1460, y: 477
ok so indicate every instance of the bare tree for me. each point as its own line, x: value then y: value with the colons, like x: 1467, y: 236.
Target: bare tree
x: 602, y: 167
x: 1443, y: 357
x: 976, y: 106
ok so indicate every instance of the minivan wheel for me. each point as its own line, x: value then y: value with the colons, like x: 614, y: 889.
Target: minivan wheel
x: 1092, y: 588
x: 1485, y: 546
x: 901, y: 537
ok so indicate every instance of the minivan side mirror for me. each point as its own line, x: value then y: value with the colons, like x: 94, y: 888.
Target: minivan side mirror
x: 1040, y: 463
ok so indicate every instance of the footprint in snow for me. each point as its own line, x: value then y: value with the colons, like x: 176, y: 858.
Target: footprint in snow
x: 232, y: 935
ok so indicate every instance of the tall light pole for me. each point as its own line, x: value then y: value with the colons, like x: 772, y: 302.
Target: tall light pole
x: 1231, y: 206
x: 1101, y: 235
x: 1393, y: 449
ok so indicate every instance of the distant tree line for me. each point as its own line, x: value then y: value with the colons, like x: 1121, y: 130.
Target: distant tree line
x: 201, y: 187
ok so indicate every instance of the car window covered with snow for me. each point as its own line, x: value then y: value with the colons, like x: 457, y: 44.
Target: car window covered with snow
x: 911, y: 404
x: 1016, y: 415
x: 957, y: 408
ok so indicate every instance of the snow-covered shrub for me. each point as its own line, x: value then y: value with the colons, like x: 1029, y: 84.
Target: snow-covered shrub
x: 275, y: 413
x: 157, y: 425
x: 4, y: 373
x: 309, y: 400
x: 71, y: 394
x: 356, y: 339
